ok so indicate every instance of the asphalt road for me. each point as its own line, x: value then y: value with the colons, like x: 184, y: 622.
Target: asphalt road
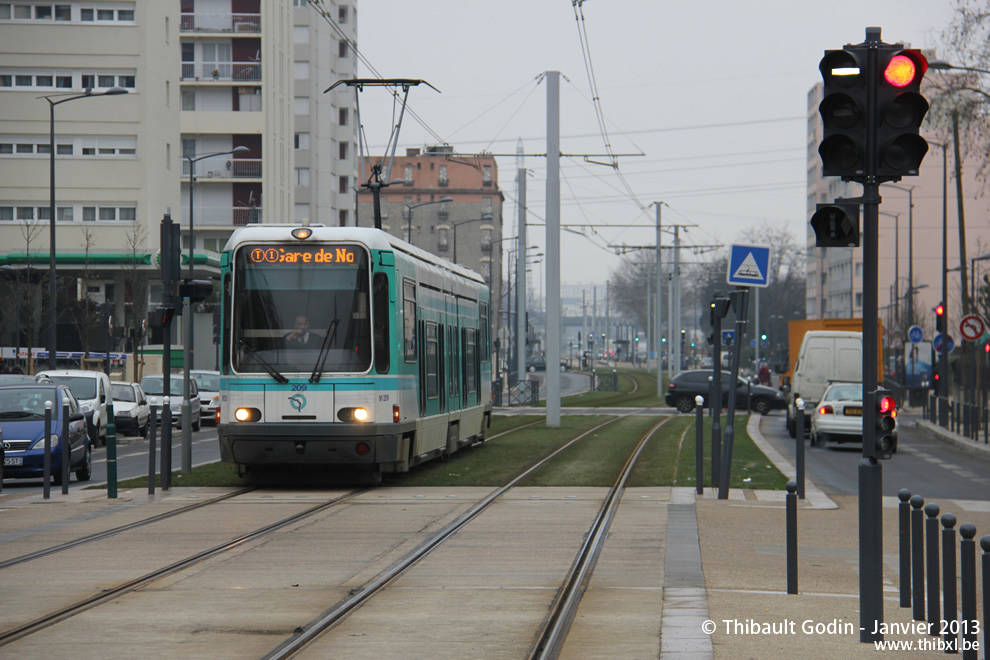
x: 132, y: 460
x: 926, y: 467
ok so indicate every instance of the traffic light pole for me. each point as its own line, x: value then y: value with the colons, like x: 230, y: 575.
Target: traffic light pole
x: 870, y: 471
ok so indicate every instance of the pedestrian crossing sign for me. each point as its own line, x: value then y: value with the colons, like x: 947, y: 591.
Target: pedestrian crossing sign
x: 749, y: 265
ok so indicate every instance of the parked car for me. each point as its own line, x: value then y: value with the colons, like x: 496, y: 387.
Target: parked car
x: 209, y: 392
x: 154, y: 386
x: 22, y: 426
x: 689, y: 384
x: 539, y: 363
x: 92, y: 389
x: 838, y: 417
x: 131, y: 412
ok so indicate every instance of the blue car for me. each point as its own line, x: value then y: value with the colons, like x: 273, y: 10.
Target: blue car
x: 22, y: 421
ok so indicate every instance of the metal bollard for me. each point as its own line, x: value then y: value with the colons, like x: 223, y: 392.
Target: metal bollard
x: 47, y: 464
x: 950, y: 636
x: 967, y: 576
x: 918, y: 557
x: 699, y: 445
x: 931, y: 538
x: 166, y: 462
x: 749, y: 397
x: 152, y: 436
x: 904, y: 543
x: 799, y: 448
x: 985, y: 544
x: 64, y: 446
x: 792, y: 541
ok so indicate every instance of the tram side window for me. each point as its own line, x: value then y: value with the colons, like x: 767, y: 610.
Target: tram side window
x: 452, y: 347
x: 409, y: 319
x: 483, y: 347
x: 470, y: 376
x: 432, y: 362
x: 382, y: 322
x: 225, y: 324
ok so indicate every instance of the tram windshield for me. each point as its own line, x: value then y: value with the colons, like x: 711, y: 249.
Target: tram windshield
x: 301, y: 308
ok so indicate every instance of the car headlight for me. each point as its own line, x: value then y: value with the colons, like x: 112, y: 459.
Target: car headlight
x: 40, y: 444
x: 122, y: 413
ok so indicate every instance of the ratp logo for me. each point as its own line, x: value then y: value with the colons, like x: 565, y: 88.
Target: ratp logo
x: 297, y: 401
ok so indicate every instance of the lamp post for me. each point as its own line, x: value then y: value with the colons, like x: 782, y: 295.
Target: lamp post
x: 455, y: 225
x: 52, y: 334
x: 188, y: 337
x: 409, y: 210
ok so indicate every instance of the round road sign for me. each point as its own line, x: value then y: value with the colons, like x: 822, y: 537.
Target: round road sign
x: 916, y: 334
x: 972, y: 327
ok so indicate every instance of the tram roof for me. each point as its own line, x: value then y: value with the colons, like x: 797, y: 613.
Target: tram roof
x: 376, y: 239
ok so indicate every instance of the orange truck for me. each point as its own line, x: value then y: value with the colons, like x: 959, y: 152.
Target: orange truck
x: 797, y: 329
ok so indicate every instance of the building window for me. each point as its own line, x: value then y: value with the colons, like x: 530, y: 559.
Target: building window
x: 342, y: 15
x: 859, y: 299
x: 342, y: 48
x: 486, y: 239
x: 486, y: 175
x: 302, y: 176
x: 442, y: 180
x: 408, y: 176
x: 302, y: 105
x: 443, y: 239
x: 301, y: 70
x: 189, y: 99
x: 302, y: 212
x: 342, y: 150
x: 342, y: 217
x: 342, y: 117
x: 300, y: 34
x: 486, y: 205
x: 344, y: 181
x: 302, y: 141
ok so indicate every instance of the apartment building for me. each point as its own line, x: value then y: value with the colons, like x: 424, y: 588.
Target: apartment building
x: 117, y: 165
x: 224, y: 109
x: 445, y: 203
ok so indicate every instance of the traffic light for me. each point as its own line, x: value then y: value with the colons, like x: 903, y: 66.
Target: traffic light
x: 886, y: 412
x: 940, y: 318
x: 843, y: 111
x: 900, y: 110
x: 195, y: 290
x: 163, y: 316
x: 836, y: 225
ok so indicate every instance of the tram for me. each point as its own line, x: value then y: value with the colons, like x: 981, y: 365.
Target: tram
x: 348, y: 347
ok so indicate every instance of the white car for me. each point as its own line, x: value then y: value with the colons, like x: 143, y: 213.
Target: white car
x: 209, y: 392
x: 92, y: 390
x: 131, y: 412
x: 838, y: 417
x: 154, y: 386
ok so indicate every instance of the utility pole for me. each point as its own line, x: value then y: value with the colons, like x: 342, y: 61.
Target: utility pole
x: 658, y: 307
x: 521, y: 269
x: 553, y: 248
x: 674, y: 341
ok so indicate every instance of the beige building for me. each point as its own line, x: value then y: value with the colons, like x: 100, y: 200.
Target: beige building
x: 203, y: 77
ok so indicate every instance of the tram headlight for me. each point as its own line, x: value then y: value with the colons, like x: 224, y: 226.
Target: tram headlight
x: 247, y: 414
x: 357, y: 414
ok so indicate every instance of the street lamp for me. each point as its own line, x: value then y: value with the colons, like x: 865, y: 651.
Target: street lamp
x: 486, y: 217
x: 409, y: 210
x: 113, y: 91
x: 188, y: 339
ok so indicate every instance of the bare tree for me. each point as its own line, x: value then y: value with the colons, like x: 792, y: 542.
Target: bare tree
x: 84, y: 316
x: 135, y: 298
x: 31, y: 231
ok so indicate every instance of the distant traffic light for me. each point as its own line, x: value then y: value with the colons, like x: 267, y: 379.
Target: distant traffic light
x: 886, y: 412
x: 195, y: 290
x: 900, y: 111
x: 940, y: 318
x: 836, y: 225
x: 843, y: 111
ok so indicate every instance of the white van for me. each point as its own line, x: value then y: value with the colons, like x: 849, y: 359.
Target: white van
x: 824, y: 356
x: 92, y: 389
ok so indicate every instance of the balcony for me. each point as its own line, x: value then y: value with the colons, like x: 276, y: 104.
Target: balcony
x: 231, y: 216
x: 233, y: 168
x: 238, y: 72
x: 221, y: 23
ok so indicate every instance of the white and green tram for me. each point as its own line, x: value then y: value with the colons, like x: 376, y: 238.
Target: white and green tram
x: 346, y: 346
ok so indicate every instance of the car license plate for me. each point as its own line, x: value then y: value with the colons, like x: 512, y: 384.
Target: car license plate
x: 855, y: 412
x: 13, y: 460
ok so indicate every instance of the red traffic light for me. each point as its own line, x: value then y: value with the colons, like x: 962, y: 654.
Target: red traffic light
x: 939, y: 309
x: 886, y: 405
x: 986, y: 348
x: 900, y: 71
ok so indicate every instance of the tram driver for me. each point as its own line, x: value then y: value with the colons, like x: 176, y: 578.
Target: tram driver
x: 301, y: 337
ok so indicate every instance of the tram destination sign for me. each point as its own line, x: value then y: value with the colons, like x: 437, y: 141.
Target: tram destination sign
x: 305, y: 254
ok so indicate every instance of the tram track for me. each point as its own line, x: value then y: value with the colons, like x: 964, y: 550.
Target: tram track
x: 554, y: 629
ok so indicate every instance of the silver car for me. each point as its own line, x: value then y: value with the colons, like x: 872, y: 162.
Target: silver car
x: 209, y: 392
x: 838, y: 417
x: 131, y: 412
x: 154, y: 386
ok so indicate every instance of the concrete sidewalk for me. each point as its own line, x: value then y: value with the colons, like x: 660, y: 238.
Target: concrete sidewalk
x: 742, y: 550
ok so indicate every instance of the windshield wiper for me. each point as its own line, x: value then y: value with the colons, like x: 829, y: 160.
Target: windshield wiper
x: 321, y: 359
x: 10, y: 414
x: 272, y: 371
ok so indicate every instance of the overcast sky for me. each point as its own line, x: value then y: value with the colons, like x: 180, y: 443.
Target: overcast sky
x: 713, y: 93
